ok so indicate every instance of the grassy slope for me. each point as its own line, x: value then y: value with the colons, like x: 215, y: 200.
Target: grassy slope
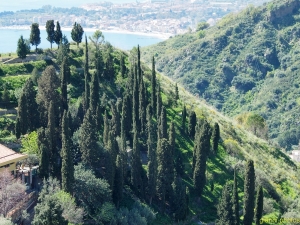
x: 247, y: 62
x: 273, y: 168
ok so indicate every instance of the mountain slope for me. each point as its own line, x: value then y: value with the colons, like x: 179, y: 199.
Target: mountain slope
x: 247, y: 62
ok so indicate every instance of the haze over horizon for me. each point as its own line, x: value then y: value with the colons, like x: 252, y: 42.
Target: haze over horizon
x: 35, y: 4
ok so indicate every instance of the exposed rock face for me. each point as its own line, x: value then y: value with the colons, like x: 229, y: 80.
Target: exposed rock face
x: 287, y: 8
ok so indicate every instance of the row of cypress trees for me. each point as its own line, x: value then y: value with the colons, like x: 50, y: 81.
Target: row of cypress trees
x: 228, y: 207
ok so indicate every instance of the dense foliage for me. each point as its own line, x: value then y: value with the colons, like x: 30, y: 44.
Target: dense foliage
x: 247, y: 62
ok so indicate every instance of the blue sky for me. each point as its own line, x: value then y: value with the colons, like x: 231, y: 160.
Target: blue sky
x: 14, y: 5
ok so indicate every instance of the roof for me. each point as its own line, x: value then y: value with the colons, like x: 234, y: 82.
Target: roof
x: 7, y: 155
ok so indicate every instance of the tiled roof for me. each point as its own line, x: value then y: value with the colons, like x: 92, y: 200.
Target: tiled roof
x: 8, y: 155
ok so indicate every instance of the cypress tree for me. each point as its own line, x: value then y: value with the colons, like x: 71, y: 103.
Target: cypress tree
x: 118, y: 183
x: 152, y: 160
x: 202, y: 148
x: 65, y: 74
x: 94, y: 93
x: 172, y: 138
x: 115, y: 121
x: 122, y: 66
x: 136, y: 165
x: 249, y: 192
x: 57, y: 34
x: 88, y: 141
x: 259, y: 205
x: 224, y: 208
x: 176, y: 93
x: 22, y: 115
x: 183, y: 118
x: 165, y: 173
x: 106, y: 129
x: 99, y: 119
x: 126, y: 121
x: 31, y: 106
x: 135, y: 103
x: 52, y: 140
x: 162, y: 126
x: 86, y: 77
x: 215, y: 137
x: 179, y: 199
x: 235, y: 201
x: 67, y: 168
x: 158, y: 103
x: 142, y: 106
x: 44, y: 153
x: 192, y: 124
x: 153, y: 87
x: 139, y: 69
x: 18, y: 128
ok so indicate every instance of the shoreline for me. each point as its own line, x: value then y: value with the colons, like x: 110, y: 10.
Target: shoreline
x: 163, y: 36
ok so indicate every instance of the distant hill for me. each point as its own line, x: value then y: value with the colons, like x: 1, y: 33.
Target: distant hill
x: 248, y: 62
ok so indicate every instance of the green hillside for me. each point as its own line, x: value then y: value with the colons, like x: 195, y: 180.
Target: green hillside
x: 95, y: 142
x: 247, y: 62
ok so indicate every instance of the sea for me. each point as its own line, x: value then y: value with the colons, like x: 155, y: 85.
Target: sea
x: 9, y: 39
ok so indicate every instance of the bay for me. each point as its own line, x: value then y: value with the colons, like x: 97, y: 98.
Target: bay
x: 9, y: 39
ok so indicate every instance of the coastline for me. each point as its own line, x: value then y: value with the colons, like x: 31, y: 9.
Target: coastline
x: 163, y: 36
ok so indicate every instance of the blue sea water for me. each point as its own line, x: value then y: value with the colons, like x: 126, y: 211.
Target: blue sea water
x: 9, y: 39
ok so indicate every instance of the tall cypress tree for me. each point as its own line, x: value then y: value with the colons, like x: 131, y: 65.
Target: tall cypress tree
x: 22, y: 116
x: 153, y: 87
x: 88, y: 141
x: 152, y: 160
x: 215, y: 137
x: 67, y: 168
x: 86, y: 78
x: 224, y: 208
x: 165, y: 173
x: 106, y: 129
x: 44, y: 153
x: 135, y: 102
x: 172, y: 138
x: 235, y: 201
x: 118, y: 183
x: 136, y: 165
x: 52, y: 140
x: 183, y: 118
x: 259, y: 204
x: 158, y: 103
x: 142, y: 105
x: 162, y: 126
x: 126, y: 120
x: 176, y: 97
x: 179, y: 205
x: 139, y: 68
x: 57, y: 34
x: 192, y: 124
x: 94, y: 93
x: 115, y: 121
x: 202, y: 148
x: 122, y: 66
x: 31, y: 105
x: 65, y: 75
x: 249, y: 192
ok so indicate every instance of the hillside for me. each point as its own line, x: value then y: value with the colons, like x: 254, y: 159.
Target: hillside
x: 248, y: 62
x: 278, y: 175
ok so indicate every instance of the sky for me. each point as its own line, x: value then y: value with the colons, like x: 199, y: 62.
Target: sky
x: 14, y: 5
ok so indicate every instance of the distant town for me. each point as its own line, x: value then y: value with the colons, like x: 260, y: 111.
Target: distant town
x: 155, y: 16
